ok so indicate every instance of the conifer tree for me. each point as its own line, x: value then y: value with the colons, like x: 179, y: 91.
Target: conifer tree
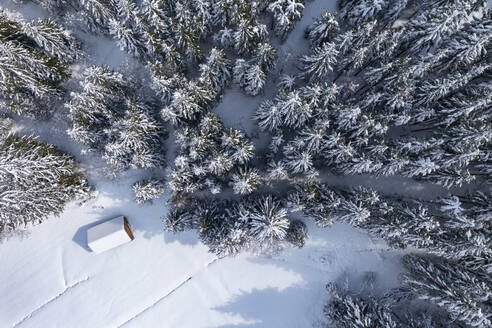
x: 147, y: 190
x: 245, y: 181
x: 268, y: 220
x: 321, y: 62
x: 322, y: 29
x: 35, y: 58
x: 254, y: 80
x: 285, y: 13
x: 463, y: 294
x: 217, y: 71
x: 36, y: 181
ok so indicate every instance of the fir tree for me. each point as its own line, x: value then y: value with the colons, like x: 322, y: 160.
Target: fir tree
x: 36, y: 182
x: 254, y: 80
x: 146, y: 190
x: 33, y: 64
x: 285, y: 13
x: 268, y: 220
x: 322, y: 29
x: 245, y: 181
x: 321, y: 62
x: 463, y: 294
x: 217, y: 71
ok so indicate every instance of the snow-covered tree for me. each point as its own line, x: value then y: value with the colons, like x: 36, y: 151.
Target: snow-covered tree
x: 245, y: 181
x: 431, y: 26
x: 254, y: 80
x: 463, y: 294
x: 295, y: 110
x: 268, y: 220
x: 146, y: 190
x: 268, y: 116
x: 216, y: 71
x: 34, y: 62
x: 285, y: 14
x: 360, y: 11
x: 247, y: 34
x: 53, y: 39
x: 321, y: 62
x: 265, y: 55
x: 322, y: 30
x: 36, y: 181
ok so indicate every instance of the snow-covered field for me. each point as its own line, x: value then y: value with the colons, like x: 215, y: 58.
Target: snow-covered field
x: 49, y: 278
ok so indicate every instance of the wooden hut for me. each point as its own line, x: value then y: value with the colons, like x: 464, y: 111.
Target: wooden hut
x: 109, y: 234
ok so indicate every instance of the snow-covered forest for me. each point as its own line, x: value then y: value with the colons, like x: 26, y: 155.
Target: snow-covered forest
x: 345, y: 144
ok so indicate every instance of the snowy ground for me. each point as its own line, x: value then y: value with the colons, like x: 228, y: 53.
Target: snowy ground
x: 50, y: 279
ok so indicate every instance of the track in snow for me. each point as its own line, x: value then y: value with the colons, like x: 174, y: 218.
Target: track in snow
x: 167, y: 295
x: 41, y: 307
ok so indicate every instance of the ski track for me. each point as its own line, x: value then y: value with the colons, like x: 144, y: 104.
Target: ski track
x: 41, y: 307
x: 168, y: 294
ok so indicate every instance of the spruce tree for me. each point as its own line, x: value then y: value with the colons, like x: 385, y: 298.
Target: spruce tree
x: 35, y: 58
x: 463, y: 294
x: 36, y: 181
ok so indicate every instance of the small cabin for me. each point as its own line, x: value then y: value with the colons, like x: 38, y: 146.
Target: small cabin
x: 109, y: 234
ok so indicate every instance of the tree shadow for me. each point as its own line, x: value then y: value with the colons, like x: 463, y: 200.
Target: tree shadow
x: 187, y: 238
x: 267, y: 307
x: 300, y: 303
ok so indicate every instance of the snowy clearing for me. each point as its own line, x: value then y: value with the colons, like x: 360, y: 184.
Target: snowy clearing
x: 51, y: 279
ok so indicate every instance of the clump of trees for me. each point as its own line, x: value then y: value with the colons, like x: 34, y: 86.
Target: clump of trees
x: 458, y: 297
x: 108, y: 115
x: 258, y: 224
x: 420, y: 69
x: 363, y: 78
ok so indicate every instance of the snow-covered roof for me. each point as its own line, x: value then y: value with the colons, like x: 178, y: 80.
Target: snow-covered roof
x: 108, y: 234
